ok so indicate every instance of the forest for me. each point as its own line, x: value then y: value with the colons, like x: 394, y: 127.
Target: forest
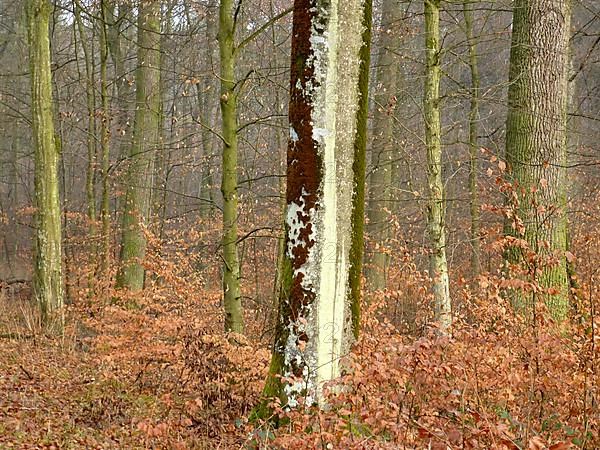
x: 300, y: 224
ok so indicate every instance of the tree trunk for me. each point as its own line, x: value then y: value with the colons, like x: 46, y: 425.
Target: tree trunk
x: 91, y: 144
x: 536, y: 144
x: 163, y: 155
x: 436, y: 213
x: 48, y: 272
x: 232, y: 297
x: 207, y: 105
x: 383, y: 154
x: 114, y: 19
x: 105, y: 145
x: 319, y: 299
x: 140, y: 170
x: 473, y: 141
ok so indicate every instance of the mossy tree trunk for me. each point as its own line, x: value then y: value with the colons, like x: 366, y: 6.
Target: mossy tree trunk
x: 140, y: 169
x: 48, y: 285
x: 536, y: 146
x: 232, y: 296
x: 321, y: 284
x: 436, y: 208
x: 473, y: 140
x: 383, y: 148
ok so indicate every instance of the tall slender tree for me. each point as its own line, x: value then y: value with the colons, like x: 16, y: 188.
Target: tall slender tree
x: 473, y: 140
x: 136, y: 206
x: 320, y: 286
x: 232, y: 296
x: 383, y: 155
x: 48, y: 271
x: 436, y: 208
x: 207, y: 94
x: 536, y: 145
x: 104, y: 141
x: 90, y: 186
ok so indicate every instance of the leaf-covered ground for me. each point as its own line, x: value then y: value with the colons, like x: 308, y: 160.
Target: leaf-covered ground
x: 155, y: 370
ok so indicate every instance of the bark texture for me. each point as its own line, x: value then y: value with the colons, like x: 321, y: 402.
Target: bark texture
x: 383, y: 152
x: 105, y: 144
x: 48, y: 274
x: 232, y: 296
x: 536, y: 145
x: 140, y: 170
x: 473, y: 140
x: 436, y: 208
x: 325, y: 192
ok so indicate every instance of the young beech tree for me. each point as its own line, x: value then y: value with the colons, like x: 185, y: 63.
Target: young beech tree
x: 436, y: 210
x: 536, y: 143
x: 48, y: 278
x: 136, y: 206
x: 232, y: 296
x: 320, y: 284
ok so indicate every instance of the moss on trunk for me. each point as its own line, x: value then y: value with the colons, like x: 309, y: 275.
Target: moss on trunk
x: 48, y: 271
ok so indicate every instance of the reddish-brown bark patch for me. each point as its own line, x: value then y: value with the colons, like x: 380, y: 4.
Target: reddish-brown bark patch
x: 303, y: 161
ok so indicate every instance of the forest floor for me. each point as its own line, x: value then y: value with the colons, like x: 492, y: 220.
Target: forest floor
x: 155, y: 370
x: 124, y: 376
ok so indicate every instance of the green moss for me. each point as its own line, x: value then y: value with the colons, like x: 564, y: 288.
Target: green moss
x: 358, y: 167
x: 274, y: 388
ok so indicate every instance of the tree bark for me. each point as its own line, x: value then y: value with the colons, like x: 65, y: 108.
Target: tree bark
x: 140, y: 170
x: 536, y: 146
x: 436, y: 214
x: 473, y: 141
x: 320, y: 293
x: 91, y: 144
x: 48, y: 272
x: 231, y: 268
x: 383, y: 154
x: 207, y: 105
x: 105, y: 145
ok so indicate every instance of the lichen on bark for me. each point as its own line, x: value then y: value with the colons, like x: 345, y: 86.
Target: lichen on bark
x: 315, y: 323
x: 48, y: 288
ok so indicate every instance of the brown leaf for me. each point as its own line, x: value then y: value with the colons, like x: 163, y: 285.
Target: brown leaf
x: 570, y: 256
x: 560, y: 446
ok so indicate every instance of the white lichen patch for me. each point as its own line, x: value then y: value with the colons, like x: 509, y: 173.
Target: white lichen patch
x: 293, y: 135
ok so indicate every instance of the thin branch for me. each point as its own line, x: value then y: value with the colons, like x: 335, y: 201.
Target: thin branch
x: 261, y: 29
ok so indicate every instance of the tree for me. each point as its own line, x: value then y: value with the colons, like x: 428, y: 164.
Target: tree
x: 207, y: 105
x: 436, y: 214
x: 536, y: 146
x: 473, y: 140
x: 48, y: 272
x: 104, y: 143
x: 320, y: 287
x: 383, y: 155
x: 232, y: 296
x: 90, y: 138
x: 136, y: 207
